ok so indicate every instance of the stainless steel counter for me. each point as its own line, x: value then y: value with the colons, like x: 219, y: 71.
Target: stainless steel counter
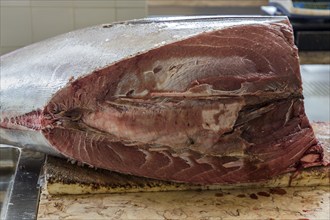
x: 8, y: 163
x: 22, y: 190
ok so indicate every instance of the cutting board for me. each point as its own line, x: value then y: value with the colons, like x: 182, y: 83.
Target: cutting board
x: 278, y: 203
x: 268, y: 200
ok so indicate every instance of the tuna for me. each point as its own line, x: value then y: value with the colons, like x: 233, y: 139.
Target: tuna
x: 201, y: 100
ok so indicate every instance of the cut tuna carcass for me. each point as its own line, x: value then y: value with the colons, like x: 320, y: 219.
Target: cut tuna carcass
x: 200, y: 99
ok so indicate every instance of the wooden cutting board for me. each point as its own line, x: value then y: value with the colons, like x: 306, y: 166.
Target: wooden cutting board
x: 289, y: 203
x: 246, y: 201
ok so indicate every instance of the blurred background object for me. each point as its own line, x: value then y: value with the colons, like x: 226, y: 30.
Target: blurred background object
x: 205, y: 7
x: 310, y: 20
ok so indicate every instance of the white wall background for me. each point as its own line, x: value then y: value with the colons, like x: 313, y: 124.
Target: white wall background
x: 27, y: 21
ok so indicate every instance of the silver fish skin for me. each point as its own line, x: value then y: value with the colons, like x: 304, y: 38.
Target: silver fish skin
x: 32, y: 75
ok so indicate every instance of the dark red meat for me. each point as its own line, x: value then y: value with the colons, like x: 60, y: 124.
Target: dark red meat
x: 224, y: 106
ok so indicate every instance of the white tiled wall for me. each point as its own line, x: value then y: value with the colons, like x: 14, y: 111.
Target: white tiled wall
x: 84, y: 17
x: 27, y: 21
x: 15, y: 26
x: 50, y: 21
